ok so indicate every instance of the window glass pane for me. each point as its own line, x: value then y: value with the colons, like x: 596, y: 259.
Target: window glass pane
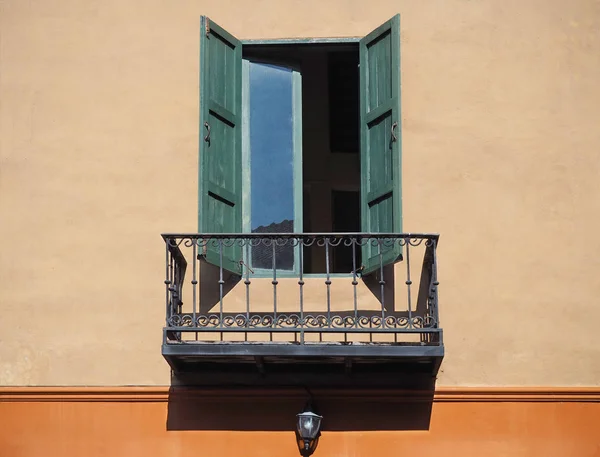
x: 271, y: 160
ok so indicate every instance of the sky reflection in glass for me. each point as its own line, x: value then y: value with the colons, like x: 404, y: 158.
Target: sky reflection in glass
x: 271, y: 148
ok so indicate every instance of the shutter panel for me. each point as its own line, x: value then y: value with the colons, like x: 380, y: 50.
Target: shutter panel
x: 381, y: 201
x: 220, y: 176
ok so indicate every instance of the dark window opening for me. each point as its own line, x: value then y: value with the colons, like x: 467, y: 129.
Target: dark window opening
x: 343, y: 78
x: 346, y: 218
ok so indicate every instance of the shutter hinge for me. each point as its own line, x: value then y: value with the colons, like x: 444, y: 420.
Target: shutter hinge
x: 207, y: 26
x: 243, y: 264
x: 394, y: 138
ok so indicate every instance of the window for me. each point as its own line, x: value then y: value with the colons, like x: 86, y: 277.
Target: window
x: 300, y: 136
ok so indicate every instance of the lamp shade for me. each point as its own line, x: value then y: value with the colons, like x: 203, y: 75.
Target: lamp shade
x: 308, y: 425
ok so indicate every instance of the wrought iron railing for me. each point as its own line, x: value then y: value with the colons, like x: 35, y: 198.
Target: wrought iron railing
x: 234, y: 300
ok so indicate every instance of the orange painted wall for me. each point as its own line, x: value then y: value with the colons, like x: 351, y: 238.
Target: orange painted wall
x: 133, y: 424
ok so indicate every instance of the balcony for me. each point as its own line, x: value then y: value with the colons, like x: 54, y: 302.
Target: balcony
x: 242, y: 308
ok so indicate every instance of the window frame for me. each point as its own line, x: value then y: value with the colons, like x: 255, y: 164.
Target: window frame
x: 371, y: 116
x: 280, y: 41
x: 297, y: 122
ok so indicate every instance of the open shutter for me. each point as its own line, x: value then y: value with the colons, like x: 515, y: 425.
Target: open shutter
x: 220, y: 200
x: 381, y: 200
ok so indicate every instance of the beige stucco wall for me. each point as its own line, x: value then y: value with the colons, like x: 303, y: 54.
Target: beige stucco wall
x: 98, y: 144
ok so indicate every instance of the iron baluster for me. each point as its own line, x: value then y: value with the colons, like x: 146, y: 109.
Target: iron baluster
x: 247, y: 283
x: 221, y: 282
x: 435, y: 284
x: 301, y: 286
x: 167, y: 282
x: 408, y: 283
x: 194, y: 282
x: 354, y: 282
x: 173, y: 285
x: 328, y: 282
x: 274, y: 282
x: 381, y: 283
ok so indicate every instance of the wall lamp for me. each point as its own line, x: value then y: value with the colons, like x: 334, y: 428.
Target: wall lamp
x: 308, y: 430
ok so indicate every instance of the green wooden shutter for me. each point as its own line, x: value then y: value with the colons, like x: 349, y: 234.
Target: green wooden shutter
x: 220, y: 176
x: 381, y: 200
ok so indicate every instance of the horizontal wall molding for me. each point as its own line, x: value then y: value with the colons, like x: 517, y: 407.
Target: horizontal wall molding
x: 163, y: 394
x: 518, y: 394
x: 85, y: 394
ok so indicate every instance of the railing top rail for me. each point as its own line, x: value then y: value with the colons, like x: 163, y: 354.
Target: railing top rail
x: 428, y: 236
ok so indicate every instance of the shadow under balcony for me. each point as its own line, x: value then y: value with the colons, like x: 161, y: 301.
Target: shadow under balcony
x: 241, y: 309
